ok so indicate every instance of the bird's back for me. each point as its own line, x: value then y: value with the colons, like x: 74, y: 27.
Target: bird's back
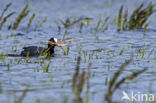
x: 33, y: 51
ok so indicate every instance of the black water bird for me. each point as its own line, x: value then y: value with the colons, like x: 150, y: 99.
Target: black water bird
x: 37, y: 51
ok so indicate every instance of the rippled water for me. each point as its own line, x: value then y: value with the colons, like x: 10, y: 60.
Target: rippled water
x: 55, y: 85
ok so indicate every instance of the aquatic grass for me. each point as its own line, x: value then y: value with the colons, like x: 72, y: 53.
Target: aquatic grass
x: 104, y: 26
x: 6, y: 8
x: 66, y: 52
x: 31, y: 19
x: 121, y: 51
x: 106, y: 80
x: 1, y: 90
x: 14, y: 48
x: 44, y: 57
x: 0, y: 37
x: 10, y: 36
x: 97, y: 26
x: 69, y: 23
x: 45, y: 19
x: 19, y: 60
x: 88, y: 84
x: 120, y: 18
x: 21, y: 16
x: 75, y: 89
x: 27, y: 58
x: 84, y: 55
x: 80, y: 48
x: 137, y: 19
x: 8, y: 67
x: 100, y: 50
x: 150, y: 52
x: 114, y: 84
x: 78, y: 82
x: 87, y: 21
x: 124, y: 27
x: 40, y: 23
x: 143, y: 52
x: 4, y: 19
x: 91, y: 56
x: 101, y: 25
x: 81, y: 26
x: 46, y: 66
x: 145, y: 28
x: 96, y: 55
x: 3, y: 57
x: 21, y: 98
x: 37, y: 100
x: 65, y: 99
x: 59, y: 29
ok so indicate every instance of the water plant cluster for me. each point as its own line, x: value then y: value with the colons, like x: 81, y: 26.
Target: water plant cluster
x: 18, y: 19
x: 137, y: 19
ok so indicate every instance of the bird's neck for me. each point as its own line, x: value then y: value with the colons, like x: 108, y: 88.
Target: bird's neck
x: 50, y: 49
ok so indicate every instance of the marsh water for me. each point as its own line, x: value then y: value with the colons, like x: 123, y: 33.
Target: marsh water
x: 25, y: 80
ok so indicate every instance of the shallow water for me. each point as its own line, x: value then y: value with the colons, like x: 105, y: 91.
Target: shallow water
x: 28, y: 79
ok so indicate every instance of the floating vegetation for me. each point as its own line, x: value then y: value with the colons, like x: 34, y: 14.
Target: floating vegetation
x: 114, y: 84
x: 21, y: 16
x: 4, y: 19
x: 137, y: 19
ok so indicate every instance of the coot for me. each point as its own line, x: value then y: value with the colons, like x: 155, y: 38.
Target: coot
x: 37, y: 51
